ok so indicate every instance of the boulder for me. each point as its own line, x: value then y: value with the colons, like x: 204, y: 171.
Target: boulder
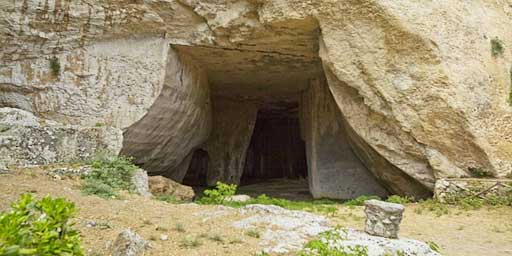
x: 238, y: 198
x: 140, y: 181
x: 159, y: 185
x: 129, y: 243
x: 383, y: 218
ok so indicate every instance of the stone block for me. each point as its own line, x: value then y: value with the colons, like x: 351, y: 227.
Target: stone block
x: 383, y: 218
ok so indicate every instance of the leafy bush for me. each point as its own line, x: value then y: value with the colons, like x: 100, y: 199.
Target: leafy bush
x: 39, y: 228
x: 110, y: 174
x: 218, y: 194
x: 360, y: 200
x: 400, y: 200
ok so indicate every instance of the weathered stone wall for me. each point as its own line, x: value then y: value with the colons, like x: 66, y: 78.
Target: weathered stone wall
x: 334, y: 169
x: 110, y: 82
x: 233, y: 124
x: 27, y: 140
x: 163, y: 141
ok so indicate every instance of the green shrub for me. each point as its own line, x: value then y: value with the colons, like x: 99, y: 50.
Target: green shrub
x: 400, y: 200
x: 218, y: 194
x: 39, y: 228
x: 110, y: 174
x: 497, y: 48
x: 360, y: 200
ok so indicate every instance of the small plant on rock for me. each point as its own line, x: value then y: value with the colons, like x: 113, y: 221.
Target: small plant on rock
x: 39, y: 228
x: 55, y: 66
x: 497, y: 47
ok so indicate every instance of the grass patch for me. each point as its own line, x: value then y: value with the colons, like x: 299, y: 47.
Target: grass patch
x: 168, y: 198
x: 253, y: 233
x: 109, y: 175
x: 216, y: 238
x: 433, y: 206
x: 218, y: 195
x: 180, y: 228
x: 39, y: 228
x: 359, y: 201
x: 191, y: 242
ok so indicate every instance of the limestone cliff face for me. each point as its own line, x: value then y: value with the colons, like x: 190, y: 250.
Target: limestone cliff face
x: 423, y: 87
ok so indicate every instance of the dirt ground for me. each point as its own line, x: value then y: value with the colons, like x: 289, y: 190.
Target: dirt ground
x: 486, y: 231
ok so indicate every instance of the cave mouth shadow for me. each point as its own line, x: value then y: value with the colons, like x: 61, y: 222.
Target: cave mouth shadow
x: 276, y: 163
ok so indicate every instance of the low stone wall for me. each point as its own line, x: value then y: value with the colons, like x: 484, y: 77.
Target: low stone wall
x: 452, y: 190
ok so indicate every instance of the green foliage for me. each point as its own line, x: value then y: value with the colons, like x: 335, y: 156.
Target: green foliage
x: 322, y: 246
x: 478, y: 172
x: 110, y: 174
x: 321, y: 205
x: 471, y: 203
x: 400, y: 200
x: 497, y: 48
x: 218, y: 194
x: 435, y: 247
x: 55, y: 66
x: 359, y: 201
x: 39, y: 228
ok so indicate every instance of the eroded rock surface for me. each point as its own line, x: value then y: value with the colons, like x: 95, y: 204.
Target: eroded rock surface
x: 129, y: 243
x: 284, y: 230
x: 422, y: 93
x: 27, y: 140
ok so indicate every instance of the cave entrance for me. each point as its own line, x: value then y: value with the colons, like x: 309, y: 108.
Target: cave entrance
x: 275, y: 162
